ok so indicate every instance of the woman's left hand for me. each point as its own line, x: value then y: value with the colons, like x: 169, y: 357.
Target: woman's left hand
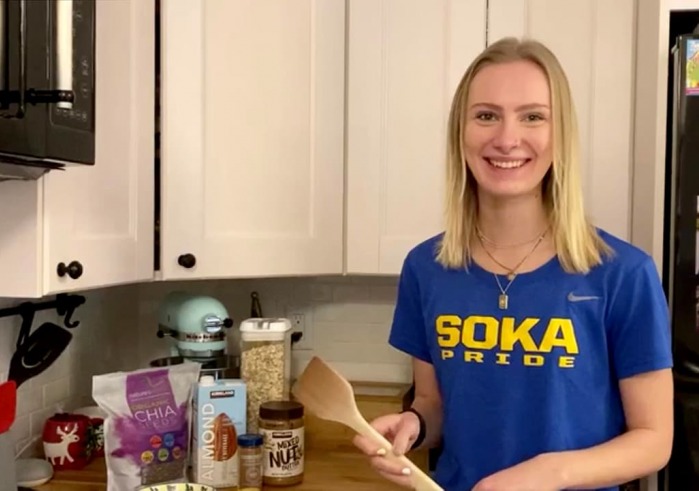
x: 537, y: 474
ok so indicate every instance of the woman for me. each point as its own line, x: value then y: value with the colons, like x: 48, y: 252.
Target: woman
x: 540, y: 344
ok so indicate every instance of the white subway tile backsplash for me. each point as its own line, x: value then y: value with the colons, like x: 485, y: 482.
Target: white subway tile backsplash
x: 342, y: 333
x: 321, y: 293
x: 38, y: 418
x: 383, y: 293
x: 29, y: 399
x: 57, y: 392
x: 329, y: 312
x: 368, y: 313
x: 350, y: 294
x: 21, y: 428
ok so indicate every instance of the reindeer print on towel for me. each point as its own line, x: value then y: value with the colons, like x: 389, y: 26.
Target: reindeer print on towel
x: 59, y: 451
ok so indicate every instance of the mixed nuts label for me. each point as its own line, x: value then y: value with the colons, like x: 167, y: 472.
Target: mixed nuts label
x: 283, y: 452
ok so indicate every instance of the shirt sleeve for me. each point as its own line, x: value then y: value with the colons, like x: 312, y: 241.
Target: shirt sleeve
x: 639, y: 326
x: 408, y: 331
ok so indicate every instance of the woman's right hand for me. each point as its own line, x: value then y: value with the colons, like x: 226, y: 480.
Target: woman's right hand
x: 401, y: 430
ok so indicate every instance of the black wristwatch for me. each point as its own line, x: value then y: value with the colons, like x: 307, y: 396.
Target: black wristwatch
x: 423, y: 429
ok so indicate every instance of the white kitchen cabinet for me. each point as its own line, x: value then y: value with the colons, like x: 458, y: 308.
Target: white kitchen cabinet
x: 594, y: 41
x: 405, y: 59
x: 252, y: 138
x: 99, y: 216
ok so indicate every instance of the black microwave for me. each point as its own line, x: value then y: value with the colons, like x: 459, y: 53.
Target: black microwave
x: 47, y: 86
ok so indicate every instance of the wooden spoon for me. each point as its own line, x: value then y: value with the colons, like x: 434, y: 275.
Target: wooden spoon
x: 329, y: 396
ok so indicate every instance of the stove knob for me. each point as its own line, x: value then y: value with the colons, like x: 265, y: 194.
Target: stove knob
x: 187, y: 261
x: 74, y: 270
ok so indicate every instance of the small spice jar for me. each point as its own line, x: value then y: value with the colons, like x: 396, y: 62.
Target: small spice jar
x: 250, y: 462
x: 281, y: 424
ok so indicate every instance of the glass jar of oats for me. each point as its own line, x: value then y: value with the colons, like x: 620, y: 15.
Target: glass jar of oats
x: 265, y: 363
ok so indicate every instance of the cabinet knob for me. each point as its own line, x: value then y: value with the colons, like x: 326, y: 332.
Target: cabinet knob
x: 74, y: 270
x: 187, y: 260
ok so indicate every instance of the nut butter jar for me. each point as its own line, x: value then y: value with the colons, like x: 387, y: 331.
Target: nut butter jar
x: 282, y: 426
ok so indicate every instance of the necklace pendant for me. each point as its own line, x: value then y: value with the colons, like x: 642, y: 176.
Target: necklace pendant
x: 511, y: 276
x: 503, y: 301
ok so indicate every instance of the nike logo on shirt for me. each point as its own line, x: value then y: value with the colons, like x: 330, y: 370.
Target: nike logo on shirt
x: 572, y: 297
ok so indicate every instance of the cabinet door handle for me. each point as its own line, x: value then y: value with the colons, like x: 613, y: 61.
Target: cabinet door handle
x: 74, y: 269
x: 187, y: 260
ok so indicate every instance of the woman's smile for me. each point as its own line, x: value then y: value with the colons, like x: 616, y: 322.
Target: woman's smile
x: 506, y: 163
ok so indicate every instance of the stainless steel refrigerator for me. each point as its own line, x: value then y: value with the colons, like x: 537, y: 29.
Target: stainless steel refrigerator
x: 681, y: 260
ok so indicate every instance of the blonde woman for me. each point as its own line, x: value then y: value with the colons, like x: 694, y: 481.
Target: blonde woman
x: 540, y: 344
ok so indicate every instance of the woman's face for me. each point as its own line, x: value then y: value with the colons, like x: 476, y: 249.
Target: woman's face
x: 507, y: 137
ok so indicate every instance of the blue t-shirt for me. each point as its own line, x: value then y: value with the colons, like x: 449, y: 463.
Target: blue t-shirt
x: 540, y: 376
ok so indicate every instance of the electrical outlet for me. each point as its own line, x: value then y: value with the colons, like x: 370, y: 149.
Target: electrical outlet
x: 298, y: 325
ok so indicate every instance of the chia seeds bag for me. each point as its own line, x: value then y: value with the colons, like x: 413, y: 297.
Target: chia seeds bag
x: 146, y: 432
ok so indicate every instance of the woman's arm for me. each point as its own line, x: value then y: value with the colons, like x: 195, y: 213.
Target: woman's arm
x: 643, y: 449
x: 428, y: 402
x: 402, y: 429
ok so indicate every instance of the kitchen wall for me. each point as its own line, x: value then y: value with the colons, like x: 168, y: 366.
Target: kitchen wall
x: 348, y: 320
x: 101, y: 343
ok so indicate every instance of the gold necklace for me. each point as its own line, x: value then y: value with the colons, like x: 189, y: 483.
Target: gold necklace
x: 495, y: 245
x: 503, y: 298
x: 512, y: 272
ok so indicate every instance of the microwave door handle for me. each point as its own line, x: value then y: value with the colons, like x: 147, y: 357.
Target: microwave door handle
x: 22, y: 59
x: 64, y: 50
x: 4, y: 62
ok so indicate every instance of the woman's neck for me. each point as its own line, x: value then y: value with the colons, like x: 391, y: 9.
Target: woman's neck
x: 509, y: 222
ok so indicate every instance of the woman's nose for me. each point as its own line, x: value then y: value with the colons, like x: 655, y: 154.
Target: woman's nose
x: 508, y: 136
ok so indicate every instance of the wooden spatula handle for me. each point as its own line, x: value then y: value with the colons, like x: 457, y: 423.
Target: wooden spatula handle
x: 419, y: 480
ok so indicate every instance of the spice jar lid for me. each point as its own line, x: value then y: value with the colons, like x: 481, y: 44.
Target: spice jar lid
x: 281, y: 409
x: 250, y: 440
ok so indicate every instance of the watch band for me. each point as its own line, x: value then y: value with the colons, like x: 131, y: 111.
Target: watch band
x: 423, y: 430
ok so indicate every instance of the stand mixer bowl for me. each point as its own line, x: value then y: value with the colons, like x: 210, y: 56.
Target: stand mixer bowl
x: 221, y: 367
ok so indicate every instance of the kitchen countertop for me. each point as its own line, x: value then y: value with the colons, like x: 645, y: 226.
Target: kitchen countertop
x: 337, y: 467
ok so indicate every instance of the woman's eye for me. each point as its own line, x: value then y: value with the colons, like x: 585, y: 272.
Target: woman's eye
x: 485, y: 116
x: 533, y: 118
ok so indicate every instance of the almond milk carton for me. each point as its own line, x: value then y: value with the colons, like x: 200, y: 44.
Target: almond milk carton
x: 218, y: 419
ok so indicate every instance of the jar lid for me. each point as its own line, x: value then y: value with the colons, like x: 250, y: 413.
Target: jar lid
x: 265, y: 324
x: 265, y: 329
x: 207, y: 381
x: 250, y: 440
x: 281, y: 409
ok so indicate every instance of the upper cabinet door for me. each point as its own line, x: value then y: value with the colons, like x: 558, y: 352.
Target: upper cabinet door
x: 406, y: 58
x: 594, y: 41
x: 102, y: 217
x: 252, y: 137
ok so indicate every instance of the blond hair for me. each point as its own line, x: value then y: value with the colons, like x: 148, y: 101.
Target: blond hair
x: 577, y: 243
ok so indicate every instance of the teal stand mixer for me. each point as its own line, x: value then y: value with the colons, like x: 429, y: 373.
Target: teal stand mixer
x: 197, y: 325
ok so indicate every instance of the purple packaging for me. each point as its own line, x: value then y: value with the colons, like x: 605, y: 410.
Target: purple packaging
x: 147, y: 429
